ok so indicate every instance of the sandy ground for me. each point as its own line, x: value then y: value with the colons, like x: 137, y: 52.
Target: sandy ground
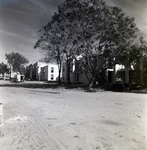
x: 61, y: 119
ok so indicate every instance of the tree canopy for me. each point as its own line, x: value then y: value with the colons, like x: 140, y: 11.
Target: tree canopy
x: 92, y: 30
x: 3, y: 68
x: 16, y: 61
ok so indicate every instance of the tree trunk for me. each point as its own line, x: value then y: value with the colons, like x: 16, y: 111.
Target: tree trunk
x: 10, y: 73
x: 68, y: 71
x: 91, y: 83
x: 59, y: 81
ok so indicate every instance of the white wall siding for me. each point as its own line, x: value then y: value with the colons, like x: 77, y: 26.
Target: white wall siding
x: 53, y: 74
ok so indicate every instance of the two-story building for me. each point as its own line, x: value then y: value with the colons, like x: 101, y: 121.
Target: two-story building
x: 116, y: 73
x: 42, y: 71
x: 49, y: 72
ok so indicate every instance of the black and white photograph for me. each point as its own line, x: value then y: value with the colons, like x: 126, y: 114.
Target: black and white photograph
x: 73, y: 74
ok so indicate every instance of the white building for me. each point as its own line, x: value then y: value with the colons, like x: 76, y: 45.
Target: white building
x: 47, y: 71
x: 17, y: 77
x: 38, y: 66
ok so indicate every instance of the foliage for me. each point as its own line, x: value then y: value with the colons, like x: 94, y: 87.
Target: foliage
x: 50, y: 42
x: 92, y: 30
x: 16, y: 62
x: 56, y: 44
x: 143, y: 53
x: 136, y: 54
x: 3, y: 68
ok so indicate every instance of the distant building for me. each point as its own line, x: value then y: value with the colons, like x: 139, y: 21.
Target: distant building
x: 37, y: 67
x: 116, y: 73
x: 42, y: 71
x: 76, y: 74
x: 29, y: 72
x: 49, y: 72
x: 17, y: 77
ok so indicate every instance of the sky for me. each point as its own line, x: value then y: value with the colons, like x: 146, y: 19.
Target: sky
x: 21, y: 20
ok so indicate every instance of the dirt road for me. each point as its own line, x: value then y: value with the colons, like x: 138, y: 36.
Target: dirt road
x: 59, y: 119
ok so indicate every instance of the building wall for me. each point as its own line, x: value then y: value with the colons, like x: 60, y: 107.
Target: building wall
x: 46, y: 73
x: 20, y: 78
x: 110, y: 75
x: 75, y: 74
x: 53, y: 73
x: 83, y: 79
x: 39, y: 65
x: 64, y: 72
x: 49, y: 72
x: 30, y: 71
x: 72, y: 77
x: 42, y: 73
